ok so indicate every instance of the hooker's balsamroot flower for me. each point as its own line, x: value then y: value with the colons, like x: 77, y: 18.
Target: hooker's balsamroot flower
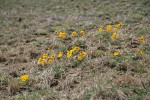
x: 44, y: 56
x: 113, y: 36
x: 116, y: 53
x: 60, y: 54
x: 141, y: 39
x: 24, y: 77
x: 82, y: 32
x: 81, y: 55
x: 115, y: 29
x: 62, y: 35
x: 43, y: 62
x: 69, y: 53
x: 40, y: 60
x: 50, y: 60
x: 48, y: 48
x: 139, y: 51
x: 108, y: 28
x: 119, y: 25
x: 52, y: 56
x: 76, y: 48
x: 100, y: 30
x: 74, y: 33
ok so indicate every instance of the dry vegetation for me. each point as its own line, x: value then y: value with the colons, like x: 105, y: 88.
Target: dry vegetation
x: 74, y: 49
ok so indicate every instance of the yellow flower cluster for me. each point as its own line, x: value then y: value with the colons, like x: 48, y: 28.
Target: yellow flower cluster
x: 70, y: 52
x: 24, y: 77
x: 108, y: 28
x: 74, y: 33
x: 114, y: 34
x: 60, y: 54
x: 44, y: 56
x: 81, y: 55
x: 48, y: 59
x: 41, y: 61
x: 141, y: 39
x: 62, y: 35
x: 139, y: 51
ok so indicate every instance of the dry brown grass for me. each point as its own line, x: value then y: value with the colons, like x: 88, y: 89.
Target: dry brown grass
x: 28, y: 29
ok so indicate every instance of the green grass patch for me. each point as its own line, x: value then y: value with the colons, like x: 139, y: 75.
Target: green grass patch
x: 142, y: 30
x: 35, y: 95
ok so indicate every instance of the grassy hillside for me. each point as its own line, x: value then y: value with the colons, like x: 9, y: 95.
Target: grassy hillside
x: 74, y: 49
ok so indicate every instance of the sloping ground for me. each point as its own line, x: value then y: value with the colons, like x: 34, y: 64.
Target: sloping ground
x: 28, y: 28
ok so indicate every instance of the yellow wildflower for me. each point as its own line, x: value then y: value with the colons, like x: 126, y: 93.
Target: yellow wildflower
x: 52, y: 56
x: 119, y: 25
x: 24, y: 77
x: 44, y: 56
x: 141, y: 39
x: 62, y: 35
x: 79, y: 57
x: 74, y: 33
x: 82, y: 32
x: 76, y: 48
x: 48, y: 48
x: 139, y: 51
x: 50, y: 60
x: 60, y: 54
x: 83, y: 54
x: 108, y: 28
x: 113, y: 36
x: 69, y: 53
x: 116, y: 53
x: 100, y: 29
x: 43, y: 62
x: 115, y: 29
x: 40, y: 60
